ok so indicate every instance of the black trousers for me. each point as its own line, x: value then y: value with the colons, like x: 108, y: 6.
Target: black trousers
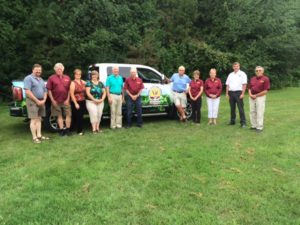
x: 77, y: 116
x: 234, y: 99
x: 196, y: 110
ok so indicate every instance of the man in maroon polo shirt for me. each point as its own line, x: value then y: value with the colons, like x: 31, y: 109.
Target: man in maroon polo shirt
x: 258, y: 88
x: 133, y: 87
x: 58, y: 86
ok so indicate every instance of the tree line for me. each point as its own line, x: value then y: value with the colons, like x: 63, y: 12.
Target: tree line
x: 199, y: 34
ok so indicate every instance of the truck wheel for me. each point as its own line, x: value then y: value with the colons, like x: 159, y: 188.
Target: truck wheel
x: 50, y: 122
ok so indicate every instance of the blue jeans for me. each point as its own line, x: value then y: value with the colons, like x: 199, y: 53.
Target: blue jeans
x: 138, y: 109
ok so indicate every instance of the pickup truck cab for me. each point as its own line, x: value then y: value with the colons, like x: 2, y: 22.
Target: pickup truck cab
x: 157, y: 98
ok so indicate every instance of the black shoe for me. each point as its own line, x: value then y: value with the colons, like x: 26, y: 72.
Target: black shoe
x: 61, y: 132
x: 252, y: 128
x: 127, y: 127
x: 231, y: 123
x: 67, y: 132
x: 139, y: 125
x: 259, y: 130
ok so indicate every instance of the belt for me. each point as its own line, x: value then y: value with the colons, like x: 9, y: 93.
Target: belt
x: 116, y: 94
x: 179, y: 91
x: 235, y: 91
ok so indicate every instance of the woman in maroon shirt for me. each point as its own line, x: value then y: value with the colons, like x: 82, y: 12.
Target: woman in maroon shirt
x: 213, y: 90
x: 77, y: 94
x: 195, y: 92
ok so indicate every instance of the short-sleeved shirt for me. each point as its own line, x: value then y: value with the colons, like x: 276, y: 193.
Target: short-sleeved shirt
x: 235, y: 80
x: 115, y: 84
x: 195, y: 87
x: 96, y: 89
x: 36, y: 85
x: 213, y: 87
x: 59, y: 86
x: 180, y: 82
x: 258, y: 84
x: 79, y: 91
x: 133, y: 85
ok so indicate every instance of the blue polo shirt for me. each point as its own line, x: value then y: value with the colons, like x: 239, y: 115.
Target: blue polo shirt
x: 115, y: 84
x: 36, y: 85
x: 180, y: 82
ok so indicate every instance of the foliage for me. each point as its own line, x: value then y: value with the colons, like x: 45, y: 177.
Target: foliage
x: 164, y: 34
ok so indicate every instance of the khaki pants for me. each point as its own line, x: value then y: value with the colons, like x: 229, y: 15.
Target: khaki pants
x: 257, y: 110
x: 116, y: 111
x: 95, y: 111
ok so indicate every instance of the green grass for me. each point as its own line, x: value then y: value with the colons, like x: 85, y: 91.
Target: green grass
x: 165, y: 173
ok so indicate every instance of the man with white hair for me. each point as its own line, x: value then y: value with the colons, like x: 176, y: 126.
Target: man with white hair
x: 114, y: 90
x: 133, y: 87
x: 58, y: 86
x: 180, y: 81
x: 258, y: 88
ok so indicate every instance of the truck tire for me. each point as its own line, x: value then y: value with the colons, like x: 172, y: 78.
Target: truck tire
x: 50, y: 122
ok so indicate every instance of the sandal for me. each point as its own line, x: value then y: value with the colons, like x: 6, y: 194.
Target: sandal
x: 36, y: 141
x: 43, y: 138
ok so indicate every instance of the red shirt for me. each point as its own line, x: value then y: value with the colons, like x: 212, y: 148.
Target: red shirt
x: 213, y: 87
x: 59, y: 86
x: 79, y: 91
x: 195, y: 87
x: 259, y: 84
x: 133, y: 85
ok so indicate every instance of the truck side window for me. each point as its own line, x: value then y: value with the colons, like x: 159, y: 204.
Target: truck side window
x: 149, y: 76
x: 124, y: 71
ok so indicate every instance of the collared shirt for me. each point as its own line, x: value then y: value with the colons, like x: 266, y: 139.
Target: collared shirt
x: 115, y: 84
x: 59, y: 86
x: 213, y: 87
x: 235, y: 80
x: 36, y: 85
x: 259, y: 84
x: 180, y: 82
x: 195, y: 87
x: 96, y: 89
x: 133, y: 85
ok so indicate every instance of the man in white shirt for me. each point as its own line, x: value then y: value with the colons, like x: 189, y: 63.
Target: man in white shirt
x: 236, y: 84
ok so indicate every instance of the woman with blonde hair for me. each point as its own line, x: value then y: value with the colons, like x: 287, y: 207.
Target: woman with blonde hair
x: 213, y: 90
x: 95, y: 91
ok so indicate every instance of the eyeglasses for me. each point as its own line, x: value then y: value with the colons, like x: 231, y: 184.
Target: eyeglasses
x: 258, y: 70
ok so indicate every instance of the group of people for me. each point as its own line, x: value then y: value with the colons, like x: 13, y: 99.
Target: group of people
x: 70, y: 98
x: 236, y: 85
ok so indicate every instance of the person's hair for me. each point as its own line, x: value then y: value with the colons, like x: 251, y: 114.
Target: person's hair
x: 133, y: 69
x: 58, y: 65
x: 94, y: 72
x: 77, y: 71
x: 36, y: 66
x: 259, y: 67
x: 196, y: 72
x: 181, y: 67
x: 213, y: 69
x: 236, y: 63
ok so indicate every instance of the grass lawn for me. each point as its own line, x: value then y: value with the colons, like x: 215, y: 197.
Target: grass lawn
x: 166, y: 173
